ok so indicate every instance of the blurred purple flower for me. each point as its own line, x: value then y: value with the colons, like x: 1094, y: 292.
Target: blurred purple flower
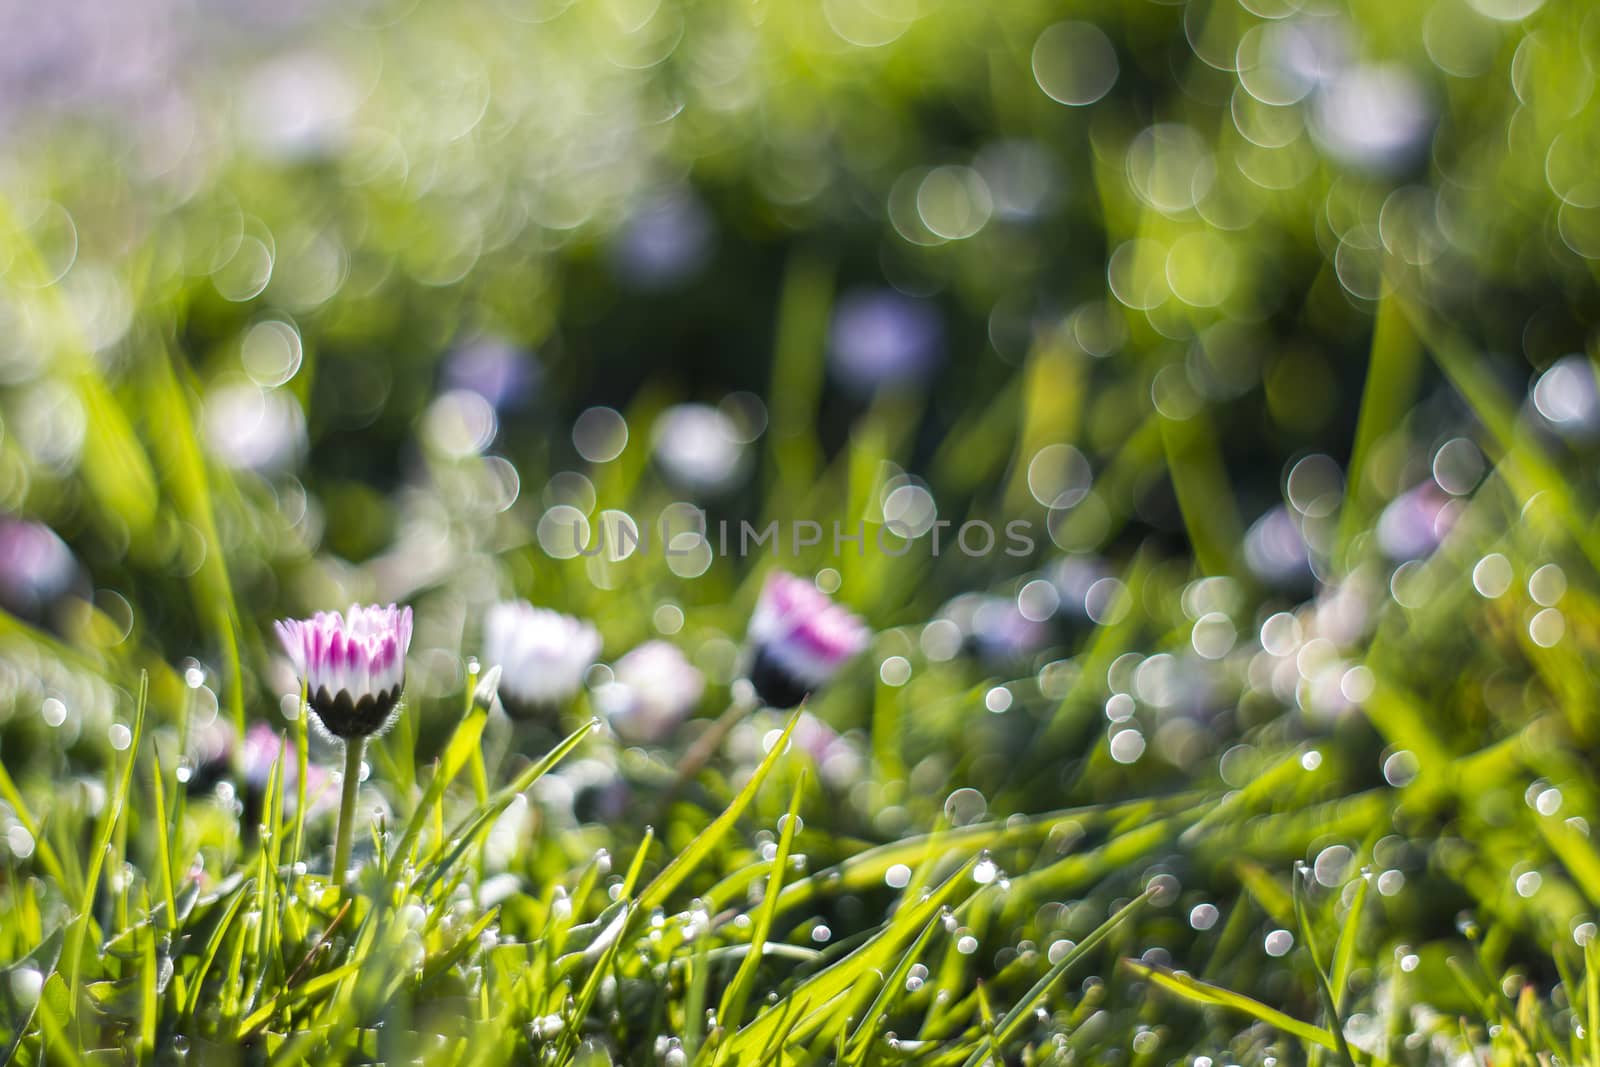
x: 995, y: 628
x: 881, y: 337
x: 36, y: 568
x: 497, y: 370
x: 800, y: 639
x: 353, y: 665
x: 1276, y: 551
x: 1073, y: 578
x: 1416, y: 522
x: 838, y: 759
x: 212, y: 750
x: 666, y: 240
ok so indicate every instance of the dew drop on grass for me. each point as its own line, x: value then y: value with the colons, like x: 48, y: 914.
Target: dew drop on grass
x: 1127, y: 746
x: 54, y: 711
x: 1528, y: 883
x: 898, y: 876
x: 1278, y: 943
x: 1331, y: 865
x: 120, y: 736
x: 1163, y: 889
x: 1547, y: 628
x: 1400, y: 768
x: 1311, y: 759
x: 1547, y: 585
x: 985, y: 872
x: 965, y: 807
x: 1390, y: 882
x: 1058, y: 950
x: 1584, y: 933
x: 1203, y: 916
x: 1492, y: 576
x: 1548, y: 801
x: 967, y: 945
x: 26, y: 982
x: 20, y: 842
x: 820, y: 933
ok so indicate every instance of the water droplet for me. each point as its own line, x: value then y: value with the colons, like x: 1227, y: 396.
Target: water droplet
x: 26, y: 983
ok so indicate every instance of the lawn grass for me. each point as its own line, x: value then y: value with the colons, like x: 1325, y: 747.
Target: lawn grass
x: 1205, y: 806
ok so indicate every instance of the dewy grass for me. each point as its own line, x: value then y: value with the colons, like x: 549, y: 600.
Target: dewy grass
x: 1272, y: 323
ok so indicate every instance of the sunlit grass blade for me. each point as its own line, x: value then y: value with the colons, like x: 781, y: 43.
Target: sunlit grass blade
x: 184, y: 465
x: 1394, y: 369
x: 859, y: 1043
x: 458, y: 751
x: 813, y: 996
x: 685, y: 862
x: 475, y: 825
x: 38, y: 964
x: 730, y: 1014
x: 1205, y: 498
x: 213, y: 946
x: 79, y: 928
x: 1011, y: 1024
x: 1198, y: 992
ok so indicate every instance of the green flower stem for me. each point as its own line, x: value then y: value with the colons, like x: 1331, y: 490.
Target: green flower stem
x: 353, y: 749
x: 705, y: 746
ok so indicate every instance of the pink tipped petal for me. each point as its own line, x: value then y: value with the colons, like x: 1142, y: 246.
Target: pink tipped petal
x: 353, y: 664
x: 801, y: 638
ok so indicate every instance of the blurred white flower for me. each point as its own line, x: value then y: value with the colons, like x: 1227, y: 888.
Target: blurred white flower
x: 255, y: 429
x: 699, y: 447
x: 298, y: 106
x: 1373, y: 117
x: 654, y: 689
x: 1568, y: 399
x: 542, y: 654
